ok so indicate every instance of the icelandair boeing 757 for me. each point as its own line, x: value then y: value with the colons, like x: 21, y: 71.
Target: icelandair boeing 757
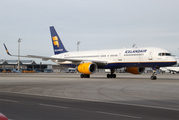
x: 88, y: 62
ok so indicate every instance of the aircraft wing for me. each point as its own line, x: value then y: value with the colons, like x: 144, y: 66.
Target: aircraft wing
x: 74, y: 61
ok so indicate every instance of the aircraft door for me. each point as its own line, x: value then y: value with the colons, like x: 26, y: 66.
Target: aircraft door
x: 150, y: 57
x: 120, y: 57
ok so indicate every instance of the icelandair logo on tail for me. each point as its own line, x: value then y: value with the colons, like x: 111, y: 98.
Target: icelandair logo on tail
x: 55, y: 41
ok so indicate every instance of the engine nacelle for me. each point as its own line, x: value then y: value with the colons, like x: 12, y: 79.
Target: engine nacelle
x: 135, y: 70
x: 87, y: 68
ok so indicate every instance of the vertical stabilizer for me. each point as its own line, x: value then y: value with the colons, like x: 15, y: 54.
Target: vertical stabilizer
x: 57, y: 43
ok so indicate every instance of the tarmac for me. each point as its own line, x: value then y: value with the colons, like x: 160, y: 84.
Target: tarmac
x: 136, y: 91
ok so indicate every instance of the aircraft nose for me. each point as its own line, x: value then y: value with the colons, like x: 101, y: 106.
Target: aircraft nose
x: 172, y: 60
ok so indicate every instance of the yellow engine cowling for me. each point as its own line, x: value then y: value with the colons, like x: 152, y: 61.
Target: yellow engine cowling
x: 87, y: 68
x: 135, y: 70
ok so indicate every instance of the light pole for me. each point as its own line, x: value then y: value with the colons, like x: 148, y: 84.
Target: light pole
x: 19, y: 40
x: 78, y: 45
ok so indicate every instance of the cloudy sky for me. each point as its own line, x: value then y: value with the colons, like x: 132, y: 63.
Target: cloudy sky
x: 98, y: 24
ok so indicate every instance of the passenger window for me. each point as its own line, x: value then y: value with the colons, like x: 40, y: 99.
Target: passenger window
x: 159, y: 54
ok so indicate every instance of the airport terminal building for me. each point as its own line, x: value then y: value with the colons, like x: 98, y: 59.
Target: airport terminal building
x: 30, y: 65
x: 24, y: 64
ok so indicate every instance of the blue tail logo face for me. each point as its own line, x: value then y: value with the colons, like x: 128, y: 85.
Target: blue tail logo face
x: 57, y: 43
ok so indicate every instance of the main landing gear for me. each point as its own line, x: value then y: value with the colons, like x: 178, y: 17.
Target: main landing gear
x: 111, y: 75
x: 154, y: 77
x: 85, y: 76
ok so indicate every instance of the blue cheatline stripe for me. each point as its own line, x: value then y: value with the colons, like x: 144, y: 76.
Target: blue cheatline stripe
x: 119, y: 65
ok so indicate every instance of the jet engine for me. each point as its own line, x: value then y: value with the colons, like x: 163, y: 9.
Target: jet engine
x: 135, y: 70
x: 87, y: 68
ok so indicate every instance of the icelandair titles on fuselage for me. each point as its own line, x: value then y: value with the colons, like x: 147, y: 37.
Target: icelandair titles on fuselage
x: 135, y: 51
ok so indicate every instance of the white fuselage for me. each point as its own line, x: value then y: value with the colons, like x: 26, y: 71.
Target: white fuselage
x: 127, y: 57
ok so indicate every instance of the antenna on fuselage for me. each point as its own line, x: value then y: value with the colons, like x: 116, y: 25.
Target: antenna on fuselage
x: 133, y: 46
x: 78, y: 43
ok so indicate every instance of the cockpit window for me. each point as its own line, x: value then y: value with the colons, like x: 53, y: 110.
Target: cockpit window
x: 167, y: 54
x: 164, y: 54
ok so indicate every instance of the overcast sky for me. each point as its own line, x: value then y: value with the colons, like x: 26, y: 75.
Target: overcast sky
x: 98, y: 24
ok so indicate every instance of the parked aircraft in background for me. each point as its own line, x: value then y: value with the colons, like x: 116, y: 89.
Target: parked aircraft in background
x: 87, y: 62
x: 173, y: 69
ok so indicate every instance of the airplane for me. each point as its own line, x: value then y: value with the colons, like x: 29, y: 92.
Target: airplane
x: 173, y: 69
x: 88, y: 62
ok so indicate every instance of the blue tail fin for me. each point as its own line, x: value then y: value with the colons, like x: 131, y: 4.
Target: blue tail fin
x: 57, y: 43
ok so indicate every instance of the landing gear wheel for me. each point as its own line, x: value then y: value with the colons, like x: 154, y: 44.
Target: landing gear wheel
x: 111, y: 75
x: 153, y: 77
x: 85, y: 76
x: 114, y: 75
x: 82, y: 75
x: 108, y: 75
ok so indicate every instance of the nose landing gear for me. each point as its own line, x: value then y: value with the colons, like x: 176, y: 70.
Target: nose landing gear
x: 154, y: 77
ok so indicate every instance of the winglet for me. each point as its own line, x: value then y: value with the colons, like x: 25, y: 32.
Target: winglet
x: 7, y: 50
